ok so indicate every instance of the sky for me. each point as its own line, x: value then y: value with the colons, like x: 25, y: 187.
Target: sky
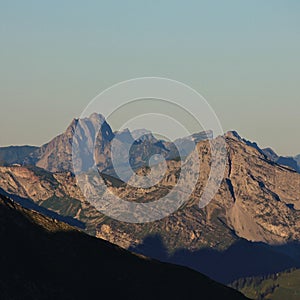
x: 242, y: 56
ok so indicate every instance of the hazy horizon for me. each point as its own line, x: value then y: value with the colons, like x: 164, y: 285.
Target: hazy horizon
x: 243, y: 57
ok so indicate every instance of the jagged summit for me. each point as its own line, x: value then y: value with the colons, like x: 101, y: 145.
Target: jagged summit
x: 233, y: 134
x: 92, y: 117
x: 94, y: 133
x: 288, y: 161
x: 96, y: 116
x: 93, y: 122
x: 92, y: 136
x: 270, y: 153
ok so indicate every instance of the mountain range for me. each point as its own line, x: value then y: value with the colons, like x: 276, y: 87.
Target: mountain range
x: 251, y: 227
x: 289, y: 161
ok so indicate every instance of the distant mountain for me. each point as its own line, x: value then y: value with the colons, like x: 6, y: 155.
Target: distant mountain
x: 56, y: 155
x: 92, y: 133
x: 297, y: 159
x: 271, y: 154
x: 291, y: 162
x: 42, y: 258
x: 15, y: 154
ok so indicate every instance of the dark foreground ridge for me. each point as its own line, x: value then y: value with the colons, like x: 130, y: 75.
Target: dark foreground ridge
x: 42, y: 258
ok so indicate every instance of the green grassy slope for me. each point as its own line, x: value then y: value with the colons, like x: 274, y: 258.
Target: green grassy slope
x: 280, y: 286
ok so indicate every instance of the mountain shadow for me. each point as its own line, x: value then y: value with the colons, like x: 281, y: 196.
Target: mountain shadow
x: 242, y: 259
x: 44, y: 259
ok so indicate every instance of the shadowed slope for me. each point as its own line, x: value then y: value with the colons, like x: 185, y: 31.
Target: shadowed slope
x: 45, y: 259
x: 242, y: 259
x: 278, y: 286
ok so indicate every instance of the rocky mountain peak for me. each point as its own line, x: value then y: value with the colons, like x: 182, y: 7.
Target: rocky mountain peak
x: 143, y: 135
x: 234, y: 135
x: 124, y: 136
x: 270, y: 153
x: 96, y: 117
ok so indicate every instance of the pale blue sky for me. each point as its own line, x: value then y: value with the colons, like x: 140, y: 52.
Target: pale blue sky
x: 242, y: 56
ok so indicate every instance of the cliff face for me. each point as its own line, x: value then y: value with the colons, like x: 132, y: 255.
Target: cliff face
x: 55, y: 191
x: 56, y: 155
x: 258, y: 200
